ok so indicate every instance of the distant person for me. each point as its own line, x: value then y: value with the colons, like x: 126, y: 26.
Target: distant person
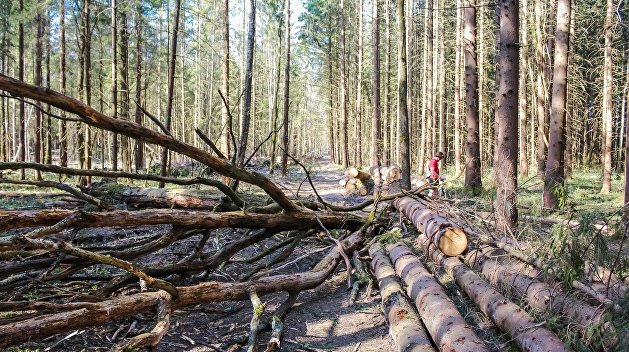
x: 433, y: 168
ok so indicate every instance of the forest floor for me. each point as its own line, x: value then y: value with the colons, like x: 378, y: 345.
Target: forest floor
x: 323, y: 319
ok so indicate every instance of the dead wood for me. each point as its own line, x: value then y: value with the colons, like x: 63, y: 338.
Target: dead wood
x: 509, y: 317
x: 233, y: 196
x: 277, y: 324
x: 94, y: 118
x: 540, y: 296
x: 258, y: 309
x: 448, y: 237
x: 442, y: 319
x: 405, y: 327
x: 357, y: 174
x: 92, y: 314
x: 152, y: 338
x: 62, y: 186
x: 190, y: 219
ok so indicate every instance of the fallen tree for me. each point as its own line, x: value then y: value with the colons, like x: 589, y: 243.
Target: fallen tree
x: 404, y: 325
x: 443, y: 321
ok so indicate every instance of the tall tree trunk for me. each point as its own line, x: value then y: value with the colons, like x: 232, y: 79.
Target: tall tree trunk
x: 226, y: 121
x: 554, y: 177
x: 276, y: 91
x: 114, y: 81
x: 37, y: 149
x: 22, y: 129
x: 626, y: 117
x: 171, y: 85
x: 344, y: 95
x: 402, y: 106
x: 124, y: 85
x: 246, y: 114
x: 376, y: 129
x: 285, y: 136
x: 48, y: 130
x: 359, y: 89
x: 442, y: 80
x: 472, y: 142
x: 458, y: 78
x: 607, y: 108
x: 540, y: 92
x: 139, y: 146
x: 522, y: 112
x: 86, y: 154
x: 427, y: 112
x: 333, y: 150
x: 388, y: 150
x: 507, y: 118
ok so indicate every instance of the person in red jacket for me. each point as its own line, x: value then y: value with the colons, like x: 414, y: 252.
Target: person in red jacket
x: 433, y: 167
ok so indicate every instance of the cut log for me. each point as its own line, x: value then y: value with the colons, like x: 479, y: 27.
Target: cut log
x: 540, y: 296
x: 444, y: 322
x: 525, y: 332
x: 449, y: 238
x: 405, y: 327
x: 393, y: 173
x: 358, y: 174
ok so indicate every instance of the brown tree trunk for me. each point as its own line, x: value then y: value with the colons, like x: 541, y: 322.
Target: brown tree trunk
x: 86, y: 38
x: 344, y: 96
x: 540, y: 92
x: 427, y: 111
x: 359, y: 90
x: 246, y: 112
x: 114, y: 81
x: 376, y: 127
x: 626, y: 117
x: 37, y: 148
x: 388, y: 150
x: 124, y: 85
x: 554, y: 177
x: 458, y: 78
x: 285, y: 136
x: 402, y: 106
x: 22, y: 129
x: 522, y: 111
x: 226, y: 121
x: 139, y: 146
x: 171, y: 85
x: 607, y: 109
x: 507, y: 118
x: 472, y: 143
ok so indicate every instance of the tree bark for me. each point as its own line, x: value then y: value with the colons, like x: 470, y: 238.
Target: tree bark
x: 435, y: 308
x: 171, y: 85
x: 285, y: 135
x: 540, y: 92
x: 139, y: 146
x: 114, y: 81
x: 376, y: 126
x: 608, y: 88
x: 246, y: 112
x: 402, y: 105
x: 344, y: 95
x: 472, y: 143
x: 405, y: 326
x: 458, y: 78
x: 37, y: 148
x: 226, y: 121
x: 22, y: 128
x: 507, y: 118
x: 554, y: 177
x: 522, y: 111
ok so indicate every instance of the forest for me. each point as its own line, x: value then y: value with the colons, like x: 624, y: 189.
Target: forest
x: 314, y: 175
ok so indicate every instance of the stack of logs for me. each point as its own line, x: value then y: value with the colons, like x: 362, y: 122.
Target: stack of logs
x: 363, y: 183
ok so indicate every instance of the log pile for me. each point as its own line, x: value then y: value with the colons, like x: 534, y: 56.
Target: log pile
x: 357, y: 182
